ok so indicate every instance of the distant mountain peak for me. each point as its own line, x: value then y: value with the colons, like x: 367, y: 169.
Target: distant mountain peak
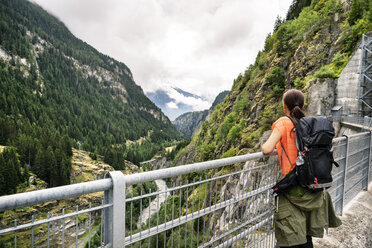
x: 174, y: 101
x: 190, y: 123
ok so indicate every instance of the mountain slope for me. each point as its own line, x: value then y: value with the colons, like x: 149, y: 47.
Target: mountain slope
x: 310, y: 48
x: 53, y: 84
x: 190, y: 123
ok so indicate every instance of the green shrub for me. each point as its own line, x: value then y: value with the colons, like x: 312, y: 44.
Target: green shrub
x: 306, y: 19
x: 283, y: 36
x: 339, y: 60
x: 93, y: 156
x: 234, y: 132
x: 207, y: 151
x: 243, y: 102
x: 298, y: 83
x: 275, y: 80
x: 226, y: 125
x: 269, y: 42
x: 326, y: 72
x: 229, y: 153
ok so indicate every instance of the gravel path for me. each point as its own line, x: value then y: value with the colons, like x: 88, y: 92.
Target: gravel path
x: 356, y: 228
x: 162, y: 186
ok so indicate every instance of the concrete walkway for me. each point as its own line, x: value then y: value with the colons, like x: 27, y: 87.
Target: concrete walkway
x: 356, y: 229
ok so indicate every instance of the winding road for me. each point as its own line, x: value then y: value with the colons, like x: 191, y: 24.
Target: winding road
x: 153, y: 208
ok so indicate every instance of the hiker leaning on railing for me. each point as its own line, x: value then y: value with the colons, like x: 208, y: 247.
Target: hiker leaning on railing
x: 301, y: 214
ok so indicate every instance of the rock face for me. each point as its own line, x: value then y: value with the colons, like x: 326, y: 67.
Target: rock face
x: 321, y: 97
x: 156, y: 163
x: 189, y: 123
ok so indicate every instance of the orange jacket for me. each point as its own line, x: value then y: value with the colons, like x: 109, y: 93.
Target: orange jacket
x: 286, y: 128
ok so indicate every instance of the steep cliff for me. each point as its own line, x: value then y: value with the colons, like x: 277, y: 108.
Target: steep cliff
x: 307, y: 52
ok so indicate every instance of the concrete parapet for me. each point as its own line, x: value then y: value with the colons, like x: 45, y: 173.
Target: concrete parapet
x: 347, y: 84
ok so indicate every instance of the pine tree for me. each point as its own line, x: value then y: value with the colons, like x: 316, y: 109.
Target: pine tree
x: 50, y: 165
x: 12, y: 170
x: 66, y: 145
x: 40, y: 159
x: 278, y: 22
x: 295, y: 8
x: 66, y: 170
x: 26, y: 149
x: 3, y: 181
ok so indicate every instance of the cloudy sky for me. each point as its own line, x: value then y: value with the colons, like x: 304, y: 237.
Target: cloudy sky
x: 199, y: 46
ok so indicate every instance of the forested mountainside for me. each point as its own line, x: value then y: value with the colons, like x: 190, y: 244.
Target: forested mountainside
x: 56, y: 92
x: 190, y: 123
x: 310, y: 46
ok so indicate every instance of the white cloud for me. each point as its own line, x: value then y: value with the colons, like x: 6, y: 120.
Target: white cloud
x: 196, y: 103
x: 198, y: 46
x: 172, y: 105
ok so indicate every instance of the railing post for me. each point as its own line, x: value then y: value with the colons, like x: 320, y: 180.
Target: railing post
x: 369, y: 161
x: 360, y: 103
x: 345, y: 172
x: 114, y: 223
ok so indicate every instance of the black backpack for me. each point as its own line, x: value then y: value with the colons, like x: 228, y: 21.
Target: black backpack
x: 314, y: 163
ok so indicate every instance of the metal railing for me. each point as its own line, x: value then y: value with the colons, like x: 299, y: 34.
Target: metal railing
x: 365, y: 77
x: 219, y: 203
x: 364, y: 122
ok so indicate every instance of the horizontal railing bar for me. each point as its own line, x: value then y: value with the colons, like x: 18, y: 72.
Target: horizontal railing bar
x: 146, y: 233
x: 339, y: 158
x: 357, y: 135
x: 359, y: 140
x: 190, y: 168
x: 195, y: 183
x: 355, y: 166
x: 358, y: 151
x: 338, y: 139
x: 352, y: 187
x: 40, y: 222
x: 51, y: 194
x: 333, y: 189
x: 262, y: 238
x: 335, y: 179
x: 337, y: 175
x: 237, y: 228
x: 336, y: 199
x: 243, y: 234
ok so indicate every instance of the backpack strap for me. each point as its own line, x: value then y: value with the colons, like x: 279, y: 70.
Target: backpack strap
x: 281, y: 158
x: 333, y: 160
x: 298, y: 141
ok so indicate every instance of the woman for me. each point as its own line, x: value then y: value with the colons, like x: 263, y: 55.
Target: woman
x: 301, y: 214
